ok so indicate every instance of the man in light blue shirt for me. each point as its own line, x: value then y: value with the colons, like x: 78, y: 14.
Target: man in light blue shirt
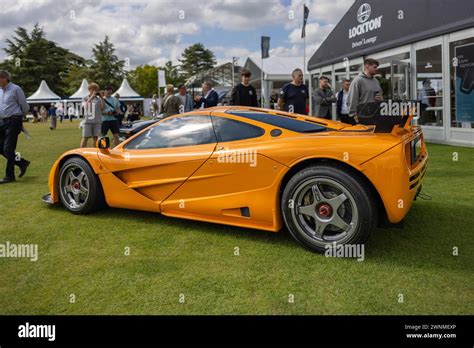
x: 13, y: 107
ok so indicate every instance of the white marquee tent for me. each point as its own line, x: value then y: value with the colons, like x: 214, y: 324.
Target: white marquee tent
x: 43, y: 95
x: 127, y: 93
x: 81, y: 92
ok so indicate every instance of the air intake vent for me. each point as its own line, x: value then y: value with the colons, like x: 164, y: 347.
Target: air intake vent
x: 245, y: 211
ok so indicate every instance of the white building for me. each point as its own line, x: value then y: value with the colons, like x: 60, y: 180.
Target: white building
x: 415, y: 42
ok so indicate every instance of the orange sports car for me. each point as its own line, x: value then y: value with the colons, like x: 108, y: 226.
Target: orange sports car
x: 327, y: 182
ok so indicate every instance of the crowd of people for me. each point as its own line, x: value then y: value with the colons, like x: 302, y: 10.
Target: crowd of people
x: 105, y: 112
x: 365, y: 88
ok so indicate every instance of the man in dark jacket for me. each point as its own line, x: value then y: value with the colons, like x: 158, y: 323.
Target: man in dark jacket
x: 342, y: 107
x: 208, y: 99
x: 123, y: 109
x: 244, y: 93
x: 323, y: 99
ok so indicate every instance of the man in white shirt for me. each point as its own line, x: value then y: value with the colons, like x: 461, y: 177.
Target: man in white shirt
x: 342, y: 107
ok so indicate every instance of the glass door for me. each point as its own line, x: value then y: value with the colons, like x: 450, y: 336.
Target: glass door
x: 400, y: 80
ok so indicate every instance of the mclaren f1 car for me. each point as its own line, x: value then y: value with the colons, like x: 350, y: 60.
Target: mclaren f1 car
x: 325, y: 181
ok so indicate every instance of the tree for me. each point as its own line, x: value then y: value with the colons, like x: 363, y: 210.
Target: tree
x: 32, y: 58
x: 144, y: 80
x: 75, y: 75
x: 195, y: 59
x: 172, y: 74
x: 107, y: 68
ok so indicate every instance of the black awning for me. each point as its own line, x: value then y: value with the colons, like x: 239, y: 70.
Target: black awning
x: 376, y: 25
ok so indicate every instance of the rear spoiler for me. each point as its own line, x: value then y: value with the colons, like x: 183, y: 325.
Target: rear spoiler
x: 387, y: 114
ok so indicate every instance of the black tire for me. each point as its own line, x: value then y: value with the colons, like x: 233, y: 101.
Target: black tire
x: 337, y: 203
x: 73, y: 186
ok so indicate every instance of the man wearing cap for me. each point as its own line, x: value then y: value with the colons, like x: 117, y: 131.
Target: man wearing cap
x: 110, y: 115
x: 13, y: 106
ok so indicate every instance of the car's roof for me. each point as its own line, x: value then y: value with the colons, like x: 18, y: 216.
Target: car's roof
x: 277, y: 113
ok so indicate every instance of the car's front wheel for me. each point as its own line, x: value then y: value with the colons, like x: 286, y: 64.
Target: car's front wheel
x: 80, y: 190
x: 323, y: 205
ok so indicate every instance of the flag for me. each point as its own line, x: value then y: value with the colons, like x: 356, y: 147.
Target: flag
x: 305, y: 19
x: 265, y: 47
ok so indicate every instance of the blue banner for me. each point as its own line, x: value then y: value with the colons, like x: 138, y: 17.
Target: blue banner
x: 464, y: 56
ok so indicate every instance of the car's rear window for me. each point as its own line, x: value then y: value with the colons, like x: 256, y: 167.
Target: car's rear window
x: 280, y: 121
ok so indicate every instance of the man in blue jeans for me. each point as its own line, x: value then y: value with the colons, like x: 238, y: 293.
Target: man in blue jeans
x: 13, y: 106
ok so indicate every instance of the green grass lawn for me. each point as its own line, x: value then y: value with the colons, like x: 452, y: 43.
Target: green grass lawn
x: 84, y: 255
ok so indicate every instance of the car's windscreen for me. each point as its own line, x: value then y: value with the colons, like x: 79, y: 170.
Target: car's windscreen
x: 174, y: 132
x: 280, y: 121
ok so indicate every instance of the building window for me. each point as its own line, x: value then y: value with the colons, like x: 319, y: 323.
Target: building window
x: 393, y: 75
x: 356, y: 68
x: 429, y: 85
x: 328, y: 74
x: 354, y: 71
x: 461, y: 55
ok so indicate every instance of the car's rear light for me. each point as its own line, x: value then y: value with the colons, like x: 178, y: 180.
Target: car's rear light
x: 415, y: 149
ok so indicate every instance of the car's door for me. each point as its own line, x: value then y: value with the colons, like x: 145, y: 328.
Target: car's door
x: 236, y: 184
x: 157, y: 161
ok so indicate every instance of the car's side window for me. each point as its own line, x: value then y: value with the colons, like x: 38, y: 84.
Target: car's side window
x: 178, y: 131
x: 231, y: 130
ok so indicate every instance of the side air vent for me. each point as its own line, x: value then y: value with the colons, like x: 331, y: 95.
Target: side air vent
x: 245, y: 211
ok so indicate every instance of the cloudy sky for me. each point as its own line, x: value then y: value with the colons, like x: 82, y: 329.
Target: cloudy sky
x: 155, y: 31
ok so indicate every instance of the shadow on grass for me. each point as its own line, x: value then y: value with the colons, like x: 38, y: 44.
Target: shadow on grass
x: 420, y: 243
x: 426, y: 240
x: 151, y: 219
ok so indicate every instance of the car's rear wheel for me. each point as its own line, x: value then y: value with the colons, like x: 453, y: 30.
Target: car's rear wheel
x: 80, y: 190
x: 323, y: 205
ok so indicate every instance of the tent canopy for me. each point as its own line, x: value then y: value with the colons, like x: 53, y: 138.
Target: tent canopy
x: 81, y: 92
x: 127, y: 93
x: 43, y: 95
x: 219, y: 76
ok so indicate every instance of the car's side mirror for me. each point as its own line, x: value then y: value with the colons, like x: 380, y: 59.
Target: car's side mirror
x: 103, y: 143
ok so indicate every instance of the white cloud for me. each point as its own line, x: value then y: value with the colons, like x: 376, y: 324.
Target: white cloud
x: 153, y: 31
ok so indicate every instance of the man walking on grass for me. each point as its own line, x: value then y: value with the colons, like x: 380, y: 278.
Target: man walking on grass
x: 13, y: 107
